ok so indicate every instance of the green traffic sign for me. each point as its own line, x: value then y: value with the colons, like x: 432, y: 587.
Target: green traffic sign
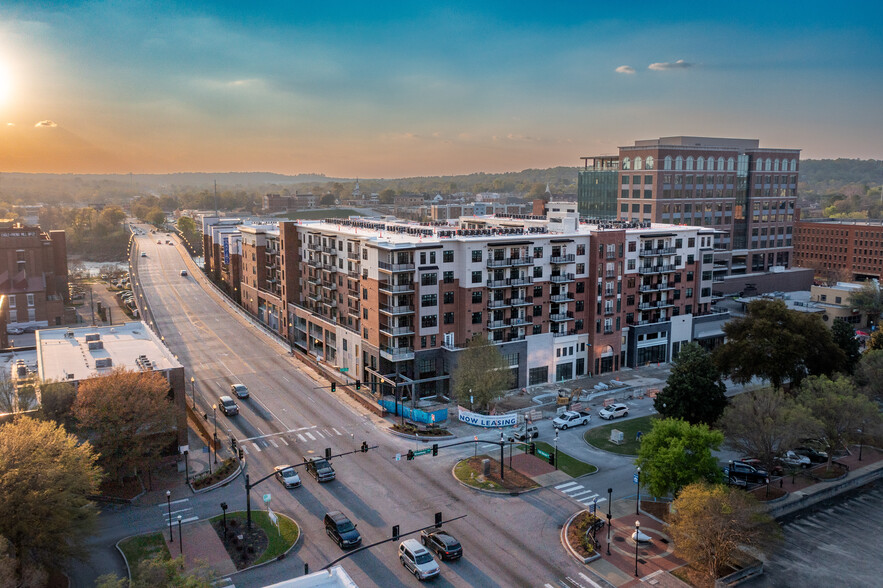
x: 423, y: 451
x: 542, y: 453
x: 344, y: 369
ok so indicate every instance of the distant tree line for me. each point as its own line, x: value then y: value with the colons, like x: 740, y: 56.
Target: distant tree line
x: 92, y: 234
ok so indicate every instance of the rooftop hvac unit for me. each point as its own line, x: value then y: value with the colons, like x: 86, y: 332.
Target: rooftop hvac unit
x: 96, y: 345
x: 93, y: 337
x: 104, y: 362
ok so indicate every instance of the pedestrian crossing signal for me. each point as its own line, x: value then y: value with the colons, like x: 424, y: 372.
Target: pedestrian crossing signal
x: 434, y: 449
x: 364, y: 447
x: 532, y: 449
x: 334, y: 386
x: 358, y: 384
x: 410, y: 455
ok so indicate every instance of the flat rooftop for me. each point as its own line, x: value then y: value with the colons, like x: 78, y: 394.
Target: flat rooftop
x: 73, y: 354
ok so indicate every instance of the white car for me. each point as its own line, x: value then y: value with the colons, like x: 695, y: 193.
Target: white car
x: 613, y: 411
x: 794, y: 460
x: 287, y: 476
x: 418, y: 560
x: 571, y: 418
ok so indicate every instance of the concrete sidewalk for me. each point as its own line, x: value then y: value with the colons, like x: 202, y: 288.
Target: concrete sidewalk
x: 200, y: 545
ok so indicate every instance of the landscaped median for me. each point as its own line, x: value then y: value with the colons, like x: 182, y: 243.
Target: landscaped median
x: 600, y: 436
x: 567, y: 463
x: 469, y: 472
x: 262, y: 543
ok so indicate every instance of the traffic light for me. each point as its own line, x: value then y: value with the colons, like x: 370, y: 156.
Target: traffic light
x: 551, y: 458
x: 233, y: 443
x: 240, y: 453
x: 532, y: 449
x: 327, y: 453
x: 395, y: 532
x: 434, y: 449
x: 358, y: 384
x: 438, y: 520
x: 364, y: 447
x: 334, y: 386
x: 410, y: 455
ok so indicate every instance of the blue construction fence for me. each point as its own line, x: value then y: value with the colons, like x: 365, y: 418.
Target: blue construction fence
x: 414, y: 414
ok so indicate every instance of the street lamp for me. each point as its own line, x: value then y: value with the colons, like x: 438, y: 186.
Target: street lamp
x: 169, y: 504
x: 609, y: 500
x: 556, y: 449
x: 224, y: 508
x: 180, y: 540
x: 193, y: 392
x: 186, y: 466
x: 637, y: 534
x: 861, y: 442
x: 638, y: 501
x: 215, y: 438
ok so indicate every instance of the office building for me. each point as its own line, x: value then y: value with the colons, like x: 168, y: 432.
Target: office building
x: 849, y: 249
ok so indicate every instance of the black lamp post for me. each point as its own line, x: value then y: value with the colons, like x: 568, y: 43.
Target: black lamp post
x: 169, y: 505
x: 215, y: 438
x: 224, y: 508
x: 861, y: 442
x: 609, y: 517
x: 180, y: 540
x: 637, y: 533
x: 556, y: 449
x: 193, y: 392
x: 638, y: 500
x: 186, y: 466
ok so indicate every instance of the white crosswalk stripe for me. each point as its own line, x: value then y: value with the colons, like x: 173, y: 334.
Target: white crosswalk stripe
x: 283, y: 440
x: 274, y: 443
x: 184, y: 502
x: 321, y: 436
x: 245, y: 449
x: 301, y: 437
x: 257, y: 447
x: 589, y: 580
x: 580, y: 493
x: 310, y: 435
x: 560, y: 486
x: 336, y: 432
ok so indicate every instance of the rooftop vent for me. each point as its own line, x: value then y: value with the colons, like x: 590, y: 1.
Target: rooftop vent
x: 104, y: 362
x: 92, y: 337
x: 96, y: 345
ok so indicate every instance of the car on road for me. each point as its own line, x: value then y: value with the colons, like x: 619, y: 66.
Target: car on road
x: 228, y: 406
x: 526, y: 433
x: 287, y: 476
x: 794, y: 460
x: 239, y: 390
x: 443, y: 544
x: 184, y: 273
x: 813, y: 455
x: 418, y: 560
x: 740, y: 473
x: 614, y: 411
x: 143, y: 254
x: 571, y: 418
x: 159, y: 242
x: 14, y: 331
x: 319, y: 468
x: 340, y: 528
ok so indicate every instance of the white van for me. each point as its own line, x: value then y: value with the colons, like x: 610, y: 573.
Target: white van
x: 417, y: 560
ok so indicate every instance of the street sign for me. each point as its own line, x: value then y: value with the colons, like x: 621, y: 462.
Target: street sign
x: 635, y: 478
x: 344, y: 369
x: 592, y: 507
x: 398, y: 457
x: 542, y: 453
x: 423, y: 451
x: 267, y: 498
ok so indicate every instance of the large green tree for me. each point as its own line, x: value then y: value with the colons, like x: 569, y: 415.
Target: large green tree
x: 869, y: 374
x: 675, y: 453
x: 869, y: 300
x: 694, y: 390
x: 777, y: 344
x: 844, y: 336
x: 710, y: 524
x: 843, y: 414
x: 46, y: 476
x: 481, y: 374
x: 766, y: 423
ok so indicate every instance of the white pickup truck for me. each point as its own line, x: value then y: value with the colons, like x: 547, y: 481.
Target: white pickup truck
x: 572, y: 418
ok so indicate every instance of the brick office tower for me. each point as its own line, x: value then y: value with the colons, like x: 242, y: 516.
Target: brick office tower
x: 851, y: 248
x: 33, y: 274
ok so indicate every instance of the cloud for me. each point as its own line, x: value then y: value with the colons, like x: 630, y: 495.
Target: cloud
x: 665, y: 65
x: 626, y: 69
x: 10, y: 124
x: 46, y: 123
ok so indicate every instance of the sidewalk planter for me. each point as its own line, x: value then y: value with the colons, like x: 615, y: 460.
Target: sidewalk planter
x: 566, y: 542
x: 224, y: 482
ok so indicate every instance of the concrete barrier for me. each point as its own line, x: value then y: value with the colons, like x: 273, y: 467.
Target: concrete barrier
x: 808, y: 497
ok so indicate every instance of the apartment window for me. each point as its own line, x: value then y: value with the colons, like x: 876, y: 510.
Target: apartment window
x: 538, y: 271
x: 580, y: 268
x: 580, y: 287
x: 433, y: 340
x: 689, y: 293
x: 422, y: 258
x: 430, y: 320
x: 428, y: 300
x: 364, y: 313
x: 476, y: 318
x: 580, y: 249
x: 537, y: 310
x: 539, y: 375
x: 448, y: 277
x: 476, y: 277
x: 476, y: 297
x: 631, y: 264
x: 449, y: 318
x: 578, y: 325
x: 423, y: 342
x: 580, y: 306
x: 476, y: 256
x: 537, y: 329
x: 429, y: 279
x: 449, y: 297
x: 12, y: 301
x: 432, y: 257
x: 537, y: 291
x: 538, y: 252
x: 647, y: 208
x: 448, y: 256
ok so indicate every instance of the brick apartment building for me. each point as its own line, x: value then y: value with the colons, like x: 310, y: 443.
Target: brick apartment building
x: 33, y: 275
x: 853, y: 248
x: 745, y: 192
x: 393, y: 303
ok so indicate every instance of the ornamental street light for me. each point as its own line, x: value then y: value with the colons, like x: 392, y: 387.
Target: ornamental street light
x: 180, y: 540
x: 169, y: 505
x: 638, y: 501
x: 193, y: 392
x: 215, y: 438
x: 637, y: 534
x: 609, y: 500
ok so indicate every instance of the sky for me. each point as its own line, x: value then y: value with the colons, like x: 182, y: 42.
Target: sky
x: 398, y: 89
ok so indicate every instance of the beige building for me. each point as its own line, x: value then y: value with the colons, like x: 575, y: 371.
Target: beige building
x: 835, y: 302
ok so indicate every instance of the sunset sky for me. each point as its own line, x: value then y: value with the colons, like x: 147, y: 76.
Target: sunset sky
x: 392, y: 89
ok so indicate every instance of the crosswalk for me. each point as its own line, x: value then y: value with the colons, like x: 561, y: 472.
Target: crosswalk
x: 580, y: 493
x: 304, y: 435
x: 583, y: 581
x: 179, y: 508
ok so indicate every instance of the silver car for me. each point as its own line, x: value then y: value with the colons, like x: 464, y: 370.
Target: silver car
x: 613, y: 411
x: 287, y: 476
x: 418, y: 560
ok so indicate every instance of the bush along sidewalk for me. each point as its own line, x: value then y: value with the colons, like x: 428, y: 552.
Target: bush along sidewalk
x: 223, y: 471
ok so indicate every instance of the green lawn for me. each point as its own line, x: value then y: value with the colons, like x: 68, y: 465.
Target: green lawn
x: 567, y: 464
x: 143, y: 547
x: 281, y: 539
x: 600, y: 436
x: 320, y: 214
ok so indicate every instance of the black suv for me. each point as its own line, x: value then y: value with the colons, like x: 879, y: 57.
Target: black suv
x: 319, y: 468
x: 441, y: 543
x: 228, y: 406
x: 341, y: 529
x: 741, y: 474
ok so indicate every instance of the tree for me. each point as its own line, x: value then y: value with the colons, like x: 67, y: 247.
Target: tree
x: 128, y: 415
x: 57, y: 401
x: 711, y: 523
x: 675, y: 453
x: 777, y: 344
x: 160, y: 571
x: 481, y: 373
x: 869, y: 374
x: 844, y: 336
x: 869, y: 300
x: 841, y: 412
x: 875, y: 341
x: 694, y: 390
x: 46, y: 476
x: 765, y: 423
x: 156, y: 217
x: 387, y: 196
x: 328, y: 199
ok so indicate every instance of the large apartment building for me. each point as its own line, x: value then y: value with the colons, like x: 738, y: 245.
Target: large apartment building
x: 393, y: 303
x: 33, y: 275
x: 745, y: 192
x: 853, y: 248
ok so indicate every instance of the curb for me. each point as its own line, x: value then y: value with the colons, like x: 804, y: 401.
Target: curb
x: 570, y: 550
x: 281, y: 556
x: 416, y: 438
x: 223, y: 482
x: 492, y: 492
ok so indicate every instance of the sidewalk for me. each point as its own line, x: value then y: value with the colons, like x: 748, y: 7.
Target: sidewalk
x: 200, y: 545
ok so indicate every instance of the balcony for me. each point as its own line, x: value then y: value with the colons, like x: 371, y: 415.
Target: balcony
x: 564, y: 333
x: 513, y: 338
x: 561, y: 278
x: 656, y: 287
x: 492, y: 304
x: 329, y: 267
x: 656, y: 269
x: 659, y: 251
x: 396, y: 331
x: 521, y: 301
x: 509, y: 262
x: 558, y: 259
x: 520, y: 321
x: 388, y: 288
x: 385, y: 266
x: 561, y: 317
x: 314, y: 263
x: 329, y: 250
x: 314, y: 296
x: 353, y: 275
x: 329, y: 302
x: 353, y: 310
x: 525, y: 281
x: 491, y: 325
x: 353, y: 294
x: 655, y: 304
x: 397, y: 353
x: 315, y: 280
x: 329, y: 286
x: 396, y: 310
x: 561, y: 298
x: 610, y: 255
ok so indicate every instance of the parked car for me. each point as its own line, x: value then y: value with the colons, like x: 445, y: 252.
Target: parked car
x: 228, y: 406
x: 319, y: 468
x: 184, y: 273
x: 239, y: 390
x: 613, y: 411
x: 571, y: 418
x: 418, y: 560
x: 794, y: 460
x: 14, y: 331
x: 443, y: 544
x: 341, y: 529
x: 742, y: 474
x: 526, y: 433
x: 143, y: 254
x: 287, y: 476
x: 813, y: 455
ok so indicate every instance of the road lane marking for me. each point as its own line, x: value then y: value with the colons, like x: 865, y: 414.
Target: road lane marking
x: 283, y: 440
x: 564, y: 486
x: 336, y: 432
x: 302, y: 438
x: 257, y: 447
x: 589, y: 580
x: 310, y: 435
x: 273, y: 443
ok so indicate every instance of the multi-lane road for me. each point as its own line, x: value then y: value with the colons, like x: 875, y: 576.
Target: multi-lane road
x: 507, y: 540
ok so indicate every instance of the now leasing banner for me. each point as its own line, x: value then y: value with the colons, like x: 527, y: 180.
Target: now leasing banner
x: 485, y: 420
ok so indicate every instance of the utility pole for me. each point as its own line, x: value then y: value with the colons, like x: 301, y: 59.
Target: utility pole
x: 216, y: 197
x: 91, y: 305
